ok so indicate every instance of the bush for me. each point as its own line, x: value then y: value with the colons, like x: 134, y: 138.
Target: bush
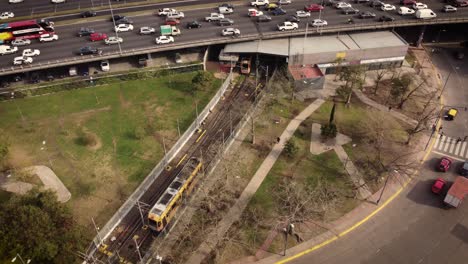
x: 328, y: 130
x: 291, y: 148
x: 85, y: 139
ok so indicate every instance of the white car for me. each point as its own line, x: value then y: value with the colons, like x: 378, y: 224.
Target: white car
x: 21, y: 42
x: 287, y: 25
x: 341, y: 5
x: 105, y: 66
x: 449, y: 8
x: 302, y: 13
x: 15, y: 1
x: 252, y: 12
x: 147, y: 30
x: 113, y: 40
x: 57, y: 1
x: 387, y: 7
x: 318, y: 23
x: 177, y: 15
x: 230, y: 32
x: 164, y: 39
x: 284, y: 2
x: 417, y: 6
x: 22, y: 60
x: 31, y: 52
x: 6, y: 15
x: 402, y: 10
x: 165, y: 11
x: 123, y: 28
x: 48, y: 37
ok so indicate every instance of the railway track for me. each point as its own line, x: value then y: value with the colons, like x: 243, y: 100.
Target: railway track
x: 132, y: 238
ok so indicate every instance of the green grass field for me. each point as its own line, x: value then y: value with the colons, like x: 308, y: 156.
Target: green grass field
x: 102, y: 141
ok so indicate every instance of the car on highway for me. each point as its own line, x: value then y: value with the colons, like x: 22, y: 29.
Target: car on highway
x: 349, y: 10
x: 293, y: 18
x: 226, y: 22
x: 88, y: 50
x: 15, y: 1
x: 227, y: 5
x: 264, y: 18
x: 230, y: 32
x: 278, y: 11
x: 259, y: 3
x: 366, y: 14
x: 225, y: 10
x: 113, y: 40
x: 123, y: 28
x: 214, y: 17
x: 386, y: 18
x: 302, y: 13
x: 463, y: 171
x: 57, y: 1
x: 164, y: 40
x: 438, y: 185
x: 48, y: 37
x: 105, y: 66
x: 22, y: 60
x: 97, y: 36
x: 376, y: 3
x: 6, y: 15
x: 85, y: 32
x: 318, y: 23
x: 88, y: 13
x: 193, y: 24
x: 252, y: 12
x: 271, y: 6
x: 458, y: 3
x: 330, y: 2
x: 5, y: 49
x: 165, y: 11
x: 177, y: 15
x: 361, y: 1
x: 147, y: 30
x: 20, y: 42
x: 341, y: 5
x: 284, y: 2
x: 444, y: 164
x: 407, y: 2
x: 31, y: 52
x: 313, y: 8
x: 402, y: 10
x: 172, y: 21
x: 449, y: 9
x: 417, y: 6
x: 124, y: 20
x: 287, y: 26
x: 117, y: 17
x: 387, y: 7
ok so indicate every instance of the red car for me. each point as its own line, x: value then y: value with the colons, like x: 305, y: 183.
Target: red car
x: 438, y: 185
x: 444, y: 164
x: 407, y: 2
x: 97, y: 36
x: 313, y: 8
x: 172, y: 21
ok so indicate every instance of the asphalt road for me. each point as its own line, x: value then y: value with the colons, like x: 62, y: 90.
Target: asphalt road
x: 414, y: 228
x: 70, y: 43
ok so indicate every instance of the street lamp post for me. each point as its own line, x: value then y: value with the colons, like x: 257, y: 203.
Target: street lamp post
x: 385, y: 185
x: 113, y: 21
x: 445, y: 84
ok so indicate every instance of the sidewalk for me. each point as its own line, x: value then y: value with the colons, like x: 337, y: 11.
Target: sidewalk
x: 236, y: 211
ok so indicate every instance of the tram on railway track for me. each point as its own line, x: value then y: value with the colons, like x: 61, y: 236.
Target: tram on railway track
x: 165, y: 208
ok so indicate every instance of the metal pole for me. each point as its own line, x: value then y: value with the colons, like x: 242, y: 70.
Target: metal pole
x: 196, y: 111
x: 97, y: 231
x: 445, y: 84
x: 138, y: 250
x: 178, y: 127
x: 141, y: 214
x: 113, y: 21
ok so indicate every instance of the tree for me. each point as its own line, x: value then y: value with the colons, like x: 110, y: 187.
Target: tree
x: 329, y: 130
x: 423, y: 118
x: 38, y: 227
x: 353, y: 80
x: 201, y: 80
x: 402, y: 88
x: 378, y: 78
x: 291, y: 148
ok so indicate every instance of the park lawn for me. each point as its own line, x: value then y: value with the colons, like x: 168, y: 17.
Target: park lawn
x: 102, y: 141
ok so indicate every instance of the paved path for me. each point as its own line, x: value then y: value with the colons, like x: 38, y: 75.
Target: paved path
x: 236, y: 211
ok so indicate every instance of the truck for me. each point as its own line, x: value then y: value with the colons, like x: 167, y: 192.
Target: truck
x: 214, y: 17
x: 168, y: 30
x: 259, y: 3
x: 457, y: 192
x: 425, y: 14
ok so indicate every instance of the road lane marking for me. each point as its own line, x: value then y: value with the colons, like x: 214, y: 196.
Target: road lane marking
x: 447, y: 144
x: 457, y: 149
x: 437, y: 141
x: 463, y: 149
x: 445, y: 155
x: 451, y: 147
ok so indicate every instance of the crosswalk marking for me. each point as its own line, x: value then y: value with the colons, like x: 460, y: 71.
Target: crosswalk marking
x: 457, y: 148
x: 437, y: 141
x: 463, y: 148
x: 451, y: 146
x: 446, y: 145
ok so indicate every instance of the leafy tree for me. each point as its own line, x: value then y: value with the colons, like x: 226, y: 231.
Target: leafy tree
x: 291, y: 148
x: 201, y: 80
x: 39, y: 228
x: 328, y: 130
x: 353, y: 79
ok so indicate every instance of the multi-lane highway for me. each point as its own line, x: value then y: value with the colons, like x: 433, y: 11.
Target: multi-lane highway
x: 64, y: 49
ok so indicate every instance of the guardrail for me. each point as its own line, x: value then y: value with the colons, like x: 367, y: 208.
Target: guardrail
x: 222, y: 40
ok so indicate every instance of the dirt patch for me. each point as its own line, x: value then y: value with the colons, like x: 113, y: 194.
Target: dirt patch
x: 19, y: 157
x: 97, y: 143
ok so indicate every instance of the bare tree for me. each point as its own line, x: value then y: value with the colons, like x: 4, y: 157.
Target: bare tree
x: 379, y: 77
x: 424, y: 117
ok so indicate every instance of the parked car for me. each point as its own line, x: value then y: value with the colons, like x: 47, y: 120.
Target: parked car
x: 113, y: 40
x: 123, y: 28
x: 88, y: 13
x: 318, y: 23
x: 386, y: 18
x: 278, y: 11
x: 31, y: 52
x: 193, y: 24
x: 438, y: 185
x: 97, y: 36
x: 464, y: 169
x: 6, y: 15
x: 87, y: 50
x: 302, y: 13
x: 48, y: 37
x: 230, y: 32
x: 366, y: 14
x: 85, y: 32
x: 147, y: 30
x: 164, y: 40
x: 22, y: 60
x: 444, y: 164
x: 313, y: 8
x: 20, y: 42
x: 451, y: 114
x: 263, y: 18
x: 226, y: 22
x: 57, y: 1
x: 449, y: 9
x: 387, y: 7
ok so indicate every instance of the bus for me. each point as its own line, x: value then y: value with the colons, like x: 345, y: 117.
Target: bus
x: 28, y: 29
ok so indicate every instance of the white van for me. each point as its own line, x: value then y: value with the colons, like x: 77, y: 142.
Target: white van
x: 403, y: 10
x: 5, y: 49
x: 425, y: 14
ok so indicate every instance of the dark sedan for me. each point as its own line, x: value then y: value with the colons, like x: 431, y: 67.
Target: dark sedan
x: 366, y: 14
x: 193, y: 24
x: 293, y: 18
x: 263, y: 18
x: 124, y: 20
x: 386, y: 18
x: 89, y: 51
x: 88, y: 14
x: 85, y: 32
x: 278, y: 11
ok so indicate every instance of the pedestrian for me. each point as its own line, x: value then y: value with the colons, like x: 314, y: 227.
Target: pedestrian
x: 433, y: 128
x: 389, y: 108
x: 441, y: 134
x: 440, y: 128
x: 278, y: 139
x: 458, y: 140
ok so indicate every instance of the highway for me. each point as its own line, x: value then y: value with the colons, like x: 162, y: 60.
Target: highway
x: 415, y: 228
x: 69, y: 43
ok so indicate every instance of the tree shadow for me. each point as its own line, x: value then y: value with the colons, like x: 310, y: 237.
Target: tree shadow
x: 421, y: 193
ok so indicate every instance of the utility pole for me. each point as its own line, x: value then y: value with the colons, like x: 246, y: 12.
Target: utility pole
x: 138, y: 248
x: 445, y: 84
x: 385, y: 185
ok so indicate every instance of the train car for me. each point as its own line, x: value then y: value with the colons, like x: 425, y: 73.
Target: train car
x: 165, y: 208
x: 245, y: 65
